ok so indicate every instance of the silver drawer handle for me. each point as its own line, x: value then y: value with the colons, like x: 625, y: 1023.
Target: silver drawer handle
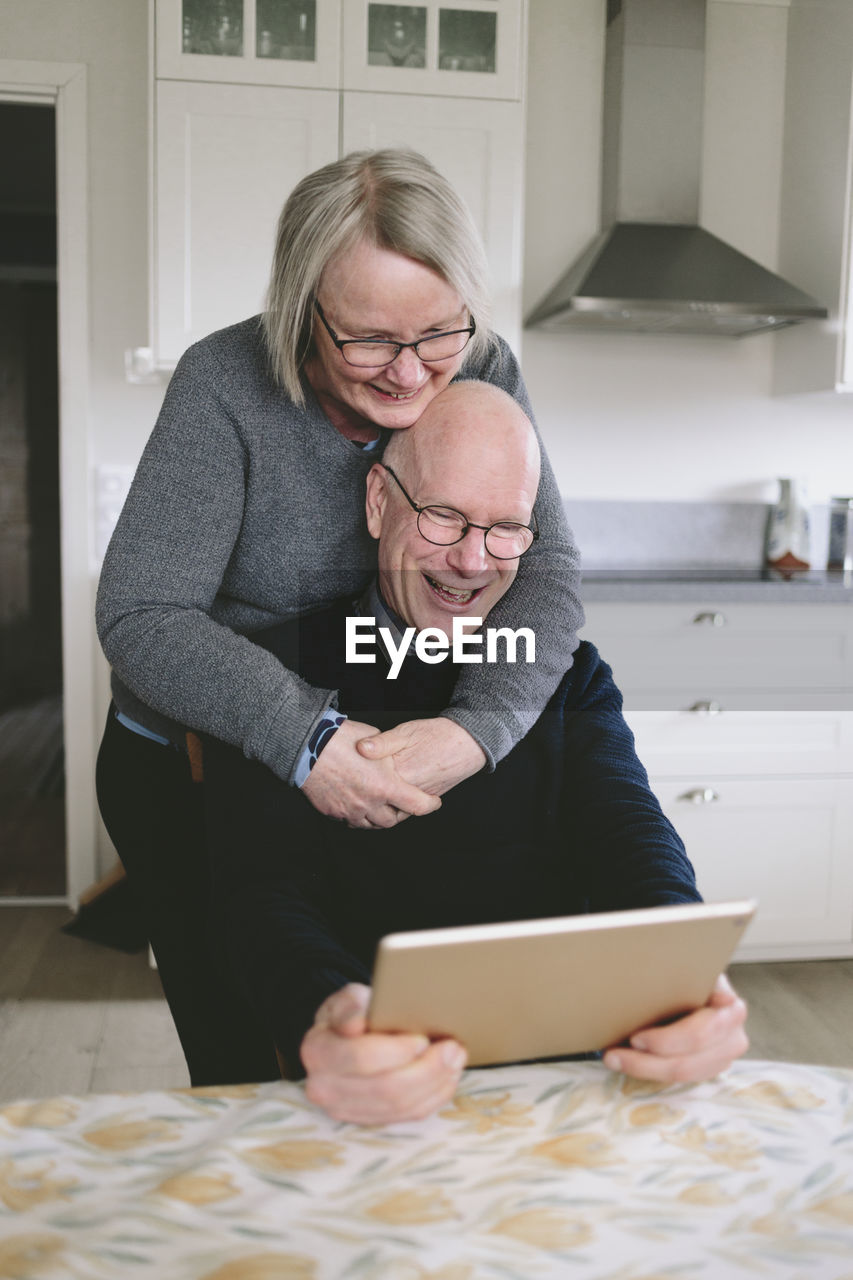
x: 700, y: 795
x: 709, y: 619
x: 706, y: 708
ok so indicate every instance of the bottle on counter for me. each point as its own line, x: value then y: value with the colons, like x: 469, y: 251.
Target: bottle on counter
x: 787, y: 545
x: 840, y: 534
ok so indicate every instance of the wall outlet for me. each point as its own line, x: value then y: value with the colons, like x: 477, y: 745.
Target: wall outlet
x: 112, y: 483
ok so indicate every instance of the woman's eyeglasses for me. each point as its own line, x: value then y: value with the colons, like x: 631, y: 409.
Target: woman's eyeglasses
x: 373, y: 353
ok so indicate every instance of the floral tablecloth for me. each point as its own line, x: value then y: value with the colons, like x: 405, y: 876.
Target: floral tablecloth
x: 531, y: 1173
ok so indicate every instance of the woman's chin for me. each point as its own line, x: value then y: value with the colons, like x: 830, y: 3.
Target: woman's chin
x: 396, y: 414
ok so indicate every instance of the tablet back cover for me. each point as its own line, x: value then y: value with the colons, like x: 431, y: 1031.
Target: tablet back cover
x: 546, y: 988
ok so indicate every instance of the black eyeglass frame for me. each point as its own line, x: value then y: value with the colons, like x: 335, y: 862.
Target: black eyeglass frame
x: 340, y: 343
x: 469, y: 524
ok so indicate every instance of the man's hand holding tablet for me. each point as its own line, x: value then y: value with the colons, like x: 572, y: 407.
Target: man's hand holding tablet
x: 374, y: 1060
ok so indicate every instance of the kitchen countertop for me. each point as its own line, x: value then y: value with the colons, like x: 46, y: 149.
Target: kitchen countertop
x: 732, y: 585
x: 694, y: 551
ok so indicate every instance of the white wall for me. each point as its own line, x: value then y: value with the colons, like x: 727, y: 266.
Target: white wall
x: 111, y: 38
x: 684, y: 419
x: 664, y: 417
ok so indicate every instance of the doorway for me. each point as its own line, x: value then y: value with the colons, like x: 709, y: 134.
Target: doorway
x: 32, y: 799
x: 62, y: 86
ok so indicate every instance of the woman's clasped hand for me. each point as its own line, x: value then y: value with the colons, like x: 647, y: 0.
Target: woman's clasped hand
x: 361, y: 791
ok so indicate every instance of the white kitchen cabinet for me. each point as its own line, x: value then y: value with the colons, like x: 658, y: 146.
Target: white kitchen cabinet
x: 478, y: 147
x: 273, y: 42
x: 698, y: 650
x: 226, y: 157
x: 785, y: 841
x: 713, y: 735
x: 743, y: 717
x: 456, y: 48
x: 815, y: 210
x: 232, y: 137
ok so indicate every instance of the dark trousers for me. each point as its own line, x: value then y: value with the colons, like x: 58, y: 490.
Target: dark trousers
x: 153, y: 812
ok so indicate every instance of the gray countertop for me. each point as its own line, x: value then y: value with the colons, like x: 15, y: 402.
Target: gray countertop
x: 652, y: 586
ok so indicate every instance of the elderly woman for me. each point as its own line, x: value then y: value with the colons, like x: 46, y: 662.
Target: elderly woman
x: 247, y: 508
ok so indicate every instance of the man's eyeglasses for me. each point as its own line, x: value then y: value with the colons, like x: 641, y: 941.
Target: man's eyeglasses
x: 373, y: 353
x: 505, y: 540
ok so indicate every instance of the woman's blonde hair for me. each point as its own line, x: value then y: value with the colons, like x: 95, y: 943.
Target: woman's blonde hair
x: 394, y: 199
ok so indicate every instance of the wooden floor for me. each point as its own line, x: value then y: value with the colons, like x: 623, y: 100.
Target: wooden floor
x: 77, y: 1017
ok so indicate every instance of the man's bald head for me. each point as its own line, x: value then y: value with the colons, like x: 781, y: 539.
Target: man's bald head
x: 463, y: 425
x: 473, y: 450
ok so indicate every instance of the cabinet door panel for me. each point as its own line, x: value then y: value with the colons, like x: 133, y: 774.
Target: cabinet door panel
x: 739, y: 646
x: 787, y: 842
x: 476, y: 145
x: 227, y: 157
x: 743, y: 742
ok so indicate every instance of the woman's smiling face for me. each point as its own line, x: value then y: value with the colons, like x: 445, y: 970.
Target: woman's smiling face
x: 368, y: 292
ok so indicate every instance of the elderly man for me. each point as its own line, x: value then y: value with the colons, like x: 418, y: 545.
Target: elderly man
x: 566, y: 823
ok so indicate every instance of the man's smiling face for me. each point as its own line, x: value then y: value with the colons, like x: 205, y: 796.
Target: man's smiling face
x: 472, y: 450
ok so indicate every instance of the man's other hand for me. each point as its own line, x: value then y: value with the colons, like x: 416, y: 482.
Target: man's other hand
x: 369, y: 1077
x: 433, y: 754
x: 696, y: 1047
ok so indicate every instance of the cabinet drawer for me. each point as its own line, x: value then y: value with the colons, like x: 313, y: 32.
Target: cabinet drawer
x: 710, y: 647
x: 786, y: 842
x: 743, y: 742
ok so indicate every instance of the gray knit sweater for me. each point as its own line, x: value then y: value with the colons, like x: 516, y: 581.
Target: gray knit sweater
x: 246, y: 510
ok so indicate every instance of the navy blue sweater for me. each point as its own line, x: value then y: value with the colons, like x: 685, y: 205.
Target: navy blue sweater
x: 566, y: 823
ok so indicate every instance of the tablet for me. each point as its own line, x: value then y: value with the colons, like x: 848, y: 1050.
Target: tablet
x: 545, y: 988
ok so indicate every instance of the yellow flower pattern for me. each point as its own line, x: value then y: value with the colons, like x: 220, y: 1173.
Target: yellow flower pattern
x: 408, y: 1208
x: 774, y: 1094
x: 52, y: 1113
x: 484, y: 1112
x: 128, y: 1134
x: 590, y: 1149
x: 655, y: 1113
x: 737, y: 1150
x: 709, y: 1193
x: 22, y: 1188
x: 289, y: 1157
x: 198, y: 1188
x: 835, y: 1208
x: 532, y: 1172
x: 544, y: 1228
x: 23, y: 1256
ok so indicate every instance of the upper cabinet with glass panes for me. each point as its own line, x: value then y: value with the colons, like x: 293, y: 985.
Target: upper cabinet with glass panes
x: 458, y: 48
x: 469, y: 48
x: 273, y: 42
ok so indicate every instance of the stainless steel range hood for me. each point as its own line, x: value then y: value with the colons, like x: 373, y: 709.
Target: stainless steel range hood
x: 654, y: 269
x: 657, y: 277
